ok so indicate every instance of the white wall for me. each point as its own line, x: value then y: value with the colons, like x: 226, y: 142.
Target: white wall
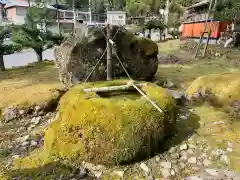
x: 116, y: 18
x: 20, y: 15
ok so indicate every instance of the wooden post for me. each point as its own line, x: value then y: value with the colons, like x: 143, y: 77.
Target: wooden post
x: 1, y: 13
x: 58, y: 21
x: 74, y: 17
x: 109, y: 54
x: 166, y: 17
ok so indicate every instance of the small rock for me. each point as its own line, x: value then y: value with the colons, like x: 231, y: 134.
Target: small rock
x: 21, y: 112
x: 229, y: 149
x: 230, y: 144
x: 22, y: 139
x: 218, y: 122
x: 165, y: 173
x: 174, y: 161
x: 199, y: 163
x: 98, y: 167
x: 191, y: 110
x: 9, y: 164
x: 195, y: 168
x: 36, y: 120
x: 205, y: 149
x: 183, y: 147
x: 193, y: 178
x: 48, y: 114
x: 172, y: 172
x: 176, y: 94
x: 192, y: 160
x: 176, y: 169
x: 183, y: 117
x: 34, y: 143
x: 206, y: 162
x: 183, y: 157
x: 168, y: 84
x: 81, y: 173
x: 198, y: 142
x: 89, y: 166
x: 157, y: 158
x: 224, y: 159
x: 191, y: 146
x: 190, y: 151
x: 212, y: 172
x: 150, y: 178
x: 9, y: 114
x: 15, y: 156
x: 37, y: 108
x: 21, y: 129
x: 182, y: 165
x: 98, y: 174
x: 175, y: 155
x: 119, y: 173
x: 172, y: 150
x: 31, y: 127
x: 218, y: 152
x: 25, y: 143
x: 166, y: 165
x: 144, y: 167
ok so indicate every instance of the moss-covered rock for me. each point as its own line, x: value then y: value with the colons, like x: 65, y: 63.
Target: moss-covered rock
x: 77, y: 56
x: 221, y: 89
x: 110, y: 131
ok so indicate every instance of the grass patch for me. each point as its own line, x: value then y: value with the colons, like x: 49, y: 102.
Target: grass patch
x: 168, y: 46
x: 28, y: 85
x: 183, y: 74
x: 219, y: 129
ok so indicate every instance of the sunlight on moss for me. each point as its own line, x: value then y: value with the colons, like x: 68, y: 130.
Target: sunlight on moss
x: 224, y: 87
x: 36, y: 166
x: 28, y: 85
x: 116, y: 131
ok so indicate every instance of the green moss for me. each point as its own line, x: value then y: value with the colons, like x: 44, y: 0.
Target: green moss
x: 109, y: 131
x: 224, y: 87
x: 37, y: 166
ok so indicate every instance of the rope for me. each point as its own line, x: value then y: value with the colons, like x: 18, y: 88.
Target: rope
x: 138, y: 89
x: 95, y: 66
x: 101, y: 56
x: 123, y: 66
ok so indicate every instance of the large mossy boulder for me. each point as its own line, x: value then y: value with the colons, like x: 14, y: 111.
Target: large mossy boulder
x: 220, y: 89
x: 77, y: 56
x: 110, y: 130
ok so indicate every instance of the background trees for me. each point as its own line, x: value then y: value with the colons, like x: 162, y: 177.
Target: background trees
x: 6, y: 49
x: 34, y: 33
x: 227, y: 10
x: 36, y: 39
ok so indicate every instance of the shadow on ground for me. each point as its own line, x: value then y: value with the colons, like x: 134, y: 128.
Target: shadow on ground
x: 184, y: 129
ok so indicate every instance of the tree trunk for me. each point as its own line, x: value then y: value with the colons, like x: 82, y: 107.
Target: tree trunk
x: 58, y: 20
x: 2, y: 66
x: 160, y: 35
x: 39, y: 54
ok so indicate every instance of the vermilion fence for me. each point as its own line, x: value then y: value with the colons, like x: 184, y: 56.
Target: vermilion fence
x: 194, y: 29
